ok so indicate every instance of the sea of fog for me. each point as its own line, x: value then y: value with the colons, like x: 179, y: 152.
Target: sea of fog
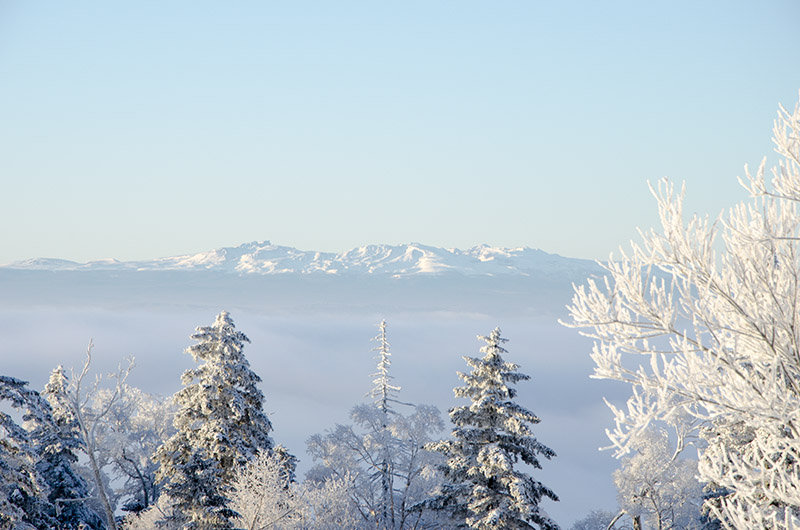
x: 316, y: 364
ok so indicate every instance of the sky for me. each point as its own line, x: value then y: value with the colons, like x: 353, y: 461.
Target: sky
x: 144, y: 129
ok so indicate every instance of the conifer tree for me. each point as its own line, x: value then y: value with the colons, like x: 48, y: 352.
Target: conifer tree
x: 38, y: 485
x: 23, y: 492
x: 220, y: 425
x: 491, y: 435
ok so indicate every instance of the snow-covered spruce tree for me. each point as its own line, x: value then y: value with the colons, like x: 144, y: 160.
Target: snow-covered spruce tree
x: 220, y: 423
x: 23, y: 491
x: 382, y: 454
x: 714, y: 327
x: 491, y: 435
x: 38, y: 485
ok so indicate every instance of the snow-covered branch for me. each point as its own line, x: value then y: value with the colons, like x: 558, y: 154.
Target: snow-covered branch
x: 701, y: 319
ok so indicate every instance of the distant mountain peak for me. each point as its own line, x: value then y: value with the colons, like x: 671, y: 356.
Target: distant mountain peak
x: 265, y: 258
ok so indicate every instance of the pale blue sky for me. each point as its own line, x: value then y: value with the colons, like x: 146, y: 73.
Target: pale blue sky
x: 151, y: 128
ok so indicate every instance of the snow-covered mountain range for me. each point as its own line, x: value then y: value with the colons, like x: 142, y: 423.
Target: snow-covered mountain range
x: 264, y: 258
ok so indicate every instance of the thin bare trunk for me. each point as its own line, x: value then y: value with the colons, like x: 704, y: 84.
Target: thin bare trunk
x: 87, y: 427
x: 101, y: 490
x: 615, y: 519
x: 141, y: 478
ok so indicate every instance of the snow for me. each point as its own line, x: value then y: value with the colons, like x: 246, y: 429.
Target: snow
x: 264, y: 258
x: 325, y: 365
x: 317, y: 328
x: 43, y: 264
x: 489, y: 437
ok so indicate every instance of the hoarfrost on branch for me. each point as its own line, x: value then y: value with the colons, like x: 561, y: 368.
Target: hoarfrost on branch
x: 709, y: 311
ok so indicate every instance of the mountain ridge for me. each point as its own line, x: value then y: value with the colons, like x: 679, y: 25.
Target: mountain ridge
x: 412, y: 259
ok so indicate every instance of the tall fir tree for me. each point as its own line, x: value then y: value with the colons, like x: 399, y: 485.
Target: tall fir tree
x: 491, y: 435
x: 220, y: 425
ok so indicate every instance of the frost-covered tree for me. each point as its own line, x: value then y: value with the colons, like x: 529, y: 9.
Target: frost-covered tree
x: 657, y: 486
x: 491, y: 436
x: 382, y: 454
x: 137, y: 424
x: 23, y: 491
x: 59, y: 444
x: 220, y: 423
x: 327, y: 506
x: 38, y: 485
x: 701, y: 319
x: 264, y: 498
x: 262, y: 495
x: 357, y: 451
x: 384, y: 393
x: 76, y: 400
x: 160, y: 515
x: 598, y: 520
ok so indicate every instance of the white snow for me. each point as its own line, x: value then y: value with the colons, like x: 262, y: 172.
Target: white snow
x: 264, y: 258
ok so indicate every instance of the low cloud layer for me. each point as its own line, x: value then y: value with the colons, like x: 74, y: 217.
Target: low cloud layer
x: 316, y: 367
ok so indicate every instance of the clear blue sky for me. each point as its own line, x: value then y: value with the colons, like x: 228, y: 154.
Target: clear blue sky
x: 151, y: 128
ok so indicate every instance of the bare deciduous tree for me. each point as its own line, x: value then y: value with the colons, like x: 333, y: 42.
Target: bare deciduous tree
x: 702, y: 320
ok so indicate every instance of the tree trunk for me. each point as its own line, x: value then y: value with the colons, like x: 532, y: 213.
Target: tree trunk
x: 141, y: 478
x: 637, y: 523
x: 615, y: 519
x: 101, y: 490
x: 89, y: 449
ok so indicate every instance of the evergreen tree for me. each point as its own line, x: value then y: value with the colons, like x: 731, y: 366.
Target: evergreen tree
x: 220, y: 425
x: 490, y: 436
x: 288, y: 465
x: 23, y: 491
x: 38, y: 485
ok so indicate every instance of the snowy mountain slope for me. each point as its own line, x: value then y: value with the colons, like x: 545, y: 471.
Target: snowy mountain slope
x: 264, y: 258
